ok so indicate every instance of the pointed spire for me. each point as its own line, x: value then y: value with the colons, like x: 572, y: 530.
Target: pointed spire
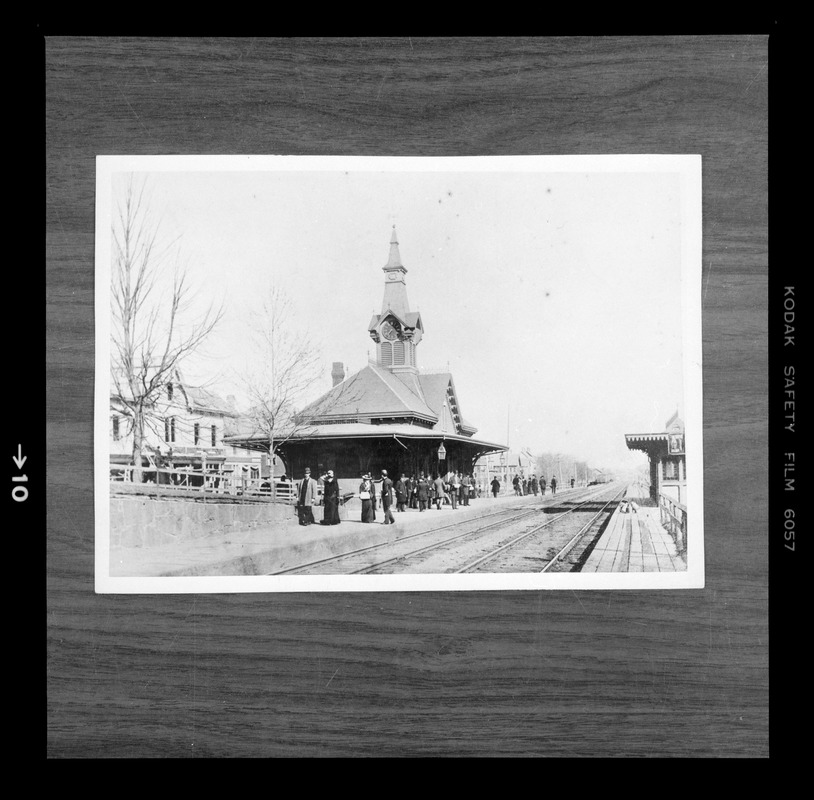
x: 395, y: 256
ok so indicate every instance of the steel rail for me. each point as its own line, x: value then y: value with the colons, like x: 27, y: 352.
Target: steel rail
x: 438, y: 545
x: 572, y: 541
x: 506, y: 520
x: 389, y: 542
x: 490, y: 555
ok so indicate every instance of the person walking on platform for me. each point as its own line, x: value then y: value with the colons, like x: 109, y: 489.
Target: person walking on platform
x: 554, y: 485
x: 367, y: 494
x: 413, y: 494
x: 572, y: 483
x: 423, y: 492
x: 387, y: 499
x: 542, y: 486
x: 330, y: 500
x: 495, y: 487
x: 307, y: 493
x: 459, y: 487
x: 534, y: 485
x: 440, y: 493
x: 466, y: 487
x: 451, y: 489
x: 402, y: 493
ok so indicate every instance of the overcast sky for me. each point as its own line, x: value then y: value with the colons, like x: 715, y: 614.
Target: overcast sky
x: 553, y: 296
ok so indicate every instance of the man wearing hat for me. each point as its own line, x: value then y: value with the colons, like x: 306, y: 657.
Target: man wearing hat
x: 330, y: 499
x: 307, y: 496
x: 387, y: 498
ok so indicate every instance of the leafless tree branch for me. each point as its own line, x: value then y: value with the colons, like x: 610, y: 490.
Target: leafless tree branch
x: 148, y: 339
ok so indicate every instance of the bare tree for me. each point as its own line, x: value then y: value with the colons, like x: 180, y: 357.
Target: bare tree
x: 150, y: 335
x: 287, y: 367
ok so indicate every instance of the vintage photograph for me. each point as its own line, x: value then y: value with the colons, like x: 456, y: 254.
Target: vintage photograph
x: 374, y: 374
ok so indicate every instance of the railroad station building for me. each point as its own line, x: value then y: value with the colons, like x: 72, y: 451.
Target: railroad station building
x: 389, y: 415
x: 668, y: 464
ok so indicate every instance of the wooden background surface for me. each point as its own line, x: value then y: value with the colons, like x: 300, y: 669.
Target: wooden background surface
x: 525, y: 673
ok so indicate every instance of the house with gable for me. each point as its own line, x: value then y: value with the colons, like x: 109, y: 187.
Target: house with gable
x: 186, y: 421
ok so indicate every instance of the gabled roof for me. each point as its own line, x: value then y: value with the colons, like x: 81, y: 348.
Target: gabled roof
x: 204, y: 400
x: 438, y: 388
x: 412, y: 319
x: 371, y: 392
x: 193, y: 397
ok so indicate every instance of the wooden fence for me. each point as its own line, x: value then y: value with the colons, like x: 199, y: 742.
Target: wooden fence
x: 674, y: 519
x: 203, y: 482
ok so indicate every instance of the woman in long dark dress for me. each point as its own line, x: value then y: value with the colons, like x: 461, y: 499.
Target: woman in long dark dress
x: 330, y: 499
x: 368, y: 502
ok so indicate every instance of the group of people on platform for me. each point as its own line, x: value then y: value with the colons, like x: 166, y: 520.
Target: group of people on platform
x: 422, y: 492
x: 531, y: 485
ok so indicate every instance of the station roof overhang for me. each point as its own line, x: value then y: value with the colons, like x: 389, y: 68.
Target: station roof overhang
x: 359, y: 430
x: 647, y: 442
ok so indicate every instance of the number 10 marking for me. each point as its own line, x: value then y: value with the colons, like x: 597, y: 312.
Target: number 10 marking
x: 20, y: 493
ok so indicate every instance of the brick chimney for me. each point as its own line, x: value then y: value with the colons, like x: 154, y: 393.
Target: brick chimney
x: 338, y: 372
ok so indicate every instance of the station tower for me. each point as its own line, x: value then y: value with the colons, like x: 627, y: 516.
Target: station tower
x: 397, y: 331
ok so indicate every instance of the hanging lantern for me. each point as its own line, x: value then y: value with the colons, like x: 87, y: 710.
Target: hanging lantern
x: 442, y: 453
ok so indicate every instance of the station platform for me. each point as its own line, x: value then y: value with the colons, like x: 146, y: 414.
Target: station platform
x: 286, y: 545
x: 635, y: 542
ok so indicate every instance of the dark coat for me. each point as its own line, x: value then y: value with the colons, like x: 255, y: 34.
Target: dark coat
x: 387, y: 493
x: 330, y: 498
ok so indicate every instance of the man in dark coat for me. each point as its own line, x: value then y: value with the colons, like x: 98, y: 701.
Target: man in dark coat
x: 495, y: 487
x: 330, y: 499
x: 423, y: 492
x: 402, y: 493
x: 553, y: 486
x: 387, y: 498
x: 542, y: 486
x: 307, y: 495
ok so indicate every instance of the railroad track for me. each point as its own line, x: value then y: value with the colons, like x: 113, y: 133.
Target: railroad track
x: 575, y: 542
x: 541, y: 550
x: 426, y: 552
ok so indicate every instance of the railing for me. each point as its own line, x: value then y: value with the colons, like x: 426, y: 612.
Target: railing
x: 674, y: 519
x: 188, y: 481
